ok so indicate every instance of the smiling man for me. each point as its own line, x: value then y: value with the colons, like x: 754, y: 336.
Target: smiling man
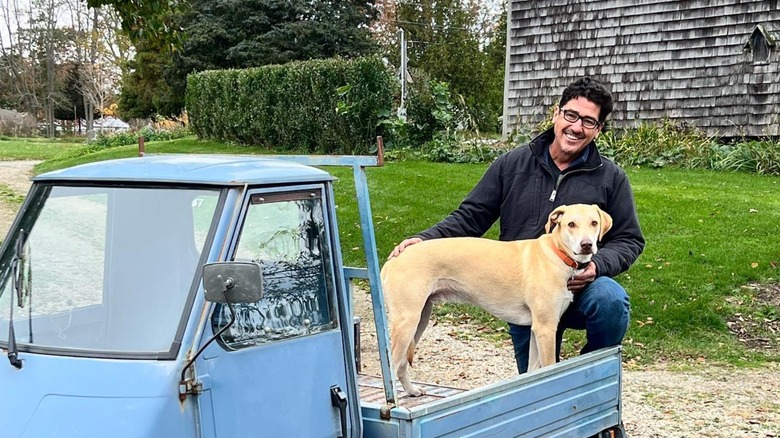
x: 522, y: 187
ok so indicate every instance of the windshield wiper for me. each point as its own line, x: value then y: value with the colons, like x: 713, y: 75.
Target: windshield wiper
x: 17, y: 267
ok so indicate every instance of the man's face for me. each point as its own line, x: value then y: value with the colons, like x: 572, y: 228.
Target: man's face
x: 572, y: 137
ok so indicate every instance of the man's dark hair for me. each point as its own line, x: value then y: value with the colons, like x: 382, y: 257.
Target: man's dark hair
x: 592, y: 90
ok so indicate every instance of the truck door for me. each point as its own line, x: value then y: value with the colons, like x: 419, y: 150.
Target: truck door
x: 281, y: 370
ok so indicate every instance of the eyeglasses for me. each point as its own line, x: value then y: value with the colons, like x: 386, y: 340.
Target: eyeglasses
x: 572, y: 116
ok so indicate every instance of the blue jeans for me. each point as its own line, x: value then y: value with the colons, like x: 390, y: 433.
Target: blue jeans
x: 601, y: 309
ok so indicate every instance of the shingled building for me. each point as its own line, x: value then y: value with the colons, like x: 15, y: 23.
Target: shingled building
x: 713, y: 64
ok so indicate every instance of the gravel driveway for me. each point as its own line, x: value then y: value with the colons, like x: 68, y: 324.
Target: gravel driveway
x: 709, y: 401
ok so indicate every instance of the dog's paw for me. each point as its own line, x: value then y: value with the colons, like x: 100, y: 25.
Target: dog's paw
x: 414, y: 391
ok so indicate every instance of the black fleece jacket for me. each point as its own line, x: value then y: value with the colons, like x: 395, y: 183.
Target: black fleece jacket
x: 522, y: 188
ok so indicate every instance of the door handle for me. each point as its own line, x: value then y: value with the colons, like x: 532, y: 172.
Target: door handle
x: 339, y: 400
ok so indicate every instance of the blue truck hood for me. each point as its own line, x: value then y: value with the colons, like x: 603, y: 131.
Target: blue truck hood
x: 86, y: 397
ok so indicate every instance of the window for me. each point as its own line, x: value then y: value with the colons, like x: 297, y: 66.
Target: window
x: 286, y: 234
x: 760, y: 44
x: 107, y: 270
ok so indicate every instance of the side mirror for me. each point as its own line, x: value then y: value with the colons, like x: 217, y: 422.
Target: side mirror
x: 233, y: 282
x: 230, y: 283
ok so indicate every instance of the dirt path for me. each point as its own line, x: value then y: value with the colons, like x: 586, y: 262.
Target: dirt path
x: 16, y: 176
x: 706, y: 402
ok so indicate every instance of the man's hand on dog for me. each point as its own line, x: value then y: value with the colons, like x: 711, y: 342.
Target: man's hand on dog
x: 578, y: 282
x: 402, y: 246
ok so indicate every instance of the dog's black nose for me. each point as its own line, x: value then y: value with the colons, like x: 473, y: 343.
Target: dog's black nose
x: 586, y: 246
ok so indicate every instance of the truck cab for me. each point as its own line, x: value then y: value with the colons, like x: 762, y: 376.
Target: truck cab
x: 109, y: 325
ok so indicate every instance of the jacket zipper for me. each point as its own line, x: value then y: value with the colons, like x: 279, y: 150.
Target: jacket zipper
x: 563, y: 175
x: 555, y: 189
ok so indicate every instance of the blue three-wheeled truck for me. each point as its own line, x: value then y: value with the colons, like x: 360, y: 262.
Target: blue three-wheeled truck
x: 205, y: 296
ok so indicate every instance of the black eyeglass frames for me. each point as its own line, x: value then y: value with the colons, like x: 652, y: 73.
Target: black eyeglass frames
x: 572, y: 116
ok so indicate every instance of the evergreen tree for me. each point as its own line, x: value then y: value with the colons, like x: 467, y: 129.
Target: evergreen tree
x: 221, y: 34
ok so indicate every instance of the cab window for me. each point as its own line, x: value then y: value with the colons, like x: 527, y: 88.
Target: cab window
x: 286, y: 234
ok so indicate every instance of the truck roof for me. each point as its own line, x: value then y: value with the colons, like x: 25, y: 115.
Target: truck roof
x: 192, y: 169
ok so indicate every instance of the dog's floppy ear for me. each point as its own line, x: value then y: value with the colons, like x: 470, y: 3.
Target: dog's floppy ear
x: 554, y: 217
x: 606, y: 221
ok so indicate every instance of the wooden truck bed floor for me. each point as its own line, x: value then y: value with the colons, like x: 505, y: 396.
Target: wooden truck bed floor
x: 371, y: 391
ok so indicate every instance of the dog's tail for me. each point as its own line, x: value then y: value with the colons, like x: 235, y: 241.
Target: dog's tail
x: 410, y: 352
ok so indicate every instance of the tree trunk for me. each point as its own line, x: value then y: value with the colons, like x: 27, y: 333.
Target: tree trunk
x: 51, y: 132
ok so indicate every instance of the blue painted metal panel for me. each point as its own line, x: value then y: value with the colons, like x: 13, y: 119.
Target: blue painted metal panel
x: 534, y: 404
x: 345, y: 315
x: 377, y: 298
x: 87, y: 397
x: 193, y: 169
x: 374, y: 427
x: 330, y: 160
x: 280, y: 389
x: 578, y: 397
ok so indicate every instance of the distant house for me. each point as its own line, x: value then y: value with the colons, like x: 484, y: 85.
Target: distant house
x: 110, y: 124
x: 713, y: 64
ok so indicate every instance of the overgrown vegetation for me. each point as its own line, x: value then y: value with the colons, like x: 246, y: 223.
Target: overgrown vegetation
x: 451, y: 42
x: 655, y: 145
x: 678, y: 145
x: 126, y: 138
x: 439, y: 130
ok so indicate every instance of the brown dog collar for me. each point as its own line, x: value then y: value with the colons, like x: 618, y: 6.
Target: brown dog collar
x: 570, y: 262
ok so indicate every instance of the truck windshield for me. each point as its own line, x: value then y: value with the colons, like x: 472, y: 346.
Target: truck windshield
x: 105, y: 269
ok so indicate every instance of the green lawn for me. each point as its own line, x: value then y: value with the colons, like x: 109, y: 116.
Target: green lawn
x: 188, y: 145
x: 708, y: 235
x: 13, y: 148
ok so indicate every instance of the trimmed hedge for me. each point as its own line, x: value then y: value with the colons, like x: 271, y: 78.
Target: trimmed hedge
x: 331, y: 106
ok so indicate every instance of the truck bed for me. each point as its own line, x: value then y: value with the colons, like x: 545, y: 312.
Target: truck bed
x: 371, y: 391
x: 577, y: 397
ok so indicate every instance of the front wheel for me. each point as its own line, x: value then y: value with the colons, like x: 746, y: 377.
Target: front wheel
x: 613, y: 432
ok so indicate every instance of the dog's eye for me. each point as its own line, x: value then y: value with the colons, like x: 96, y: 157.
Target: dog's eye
x: 594, y: 224
x: 572, y: 224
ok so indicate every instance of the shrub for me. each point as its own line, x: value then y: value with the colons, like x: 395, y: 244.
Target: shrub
x: 656, y: 145
x: 324, y: 106
x: 670, y: 144
x: 126, y: 138
x: 759, y: 156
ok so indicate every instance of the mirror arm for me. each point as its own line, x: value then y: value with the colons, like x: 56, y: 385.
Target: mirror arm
x: 188, y: 386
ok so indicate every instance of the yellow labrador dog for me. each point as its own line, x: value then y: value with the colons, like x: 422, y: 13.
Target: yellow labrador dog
x: 522, y: 282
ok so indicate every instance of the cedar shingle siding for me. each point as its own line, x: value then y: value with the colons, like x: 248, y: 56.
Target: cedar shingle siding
x: 712, y: 64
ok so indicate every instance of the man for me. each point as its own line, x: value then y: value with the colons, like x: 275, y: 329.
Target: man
x: 523, y: 186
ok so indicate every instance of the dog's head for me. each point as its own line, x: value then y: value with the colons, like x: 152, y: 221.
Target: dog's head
x: 578, y: 227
